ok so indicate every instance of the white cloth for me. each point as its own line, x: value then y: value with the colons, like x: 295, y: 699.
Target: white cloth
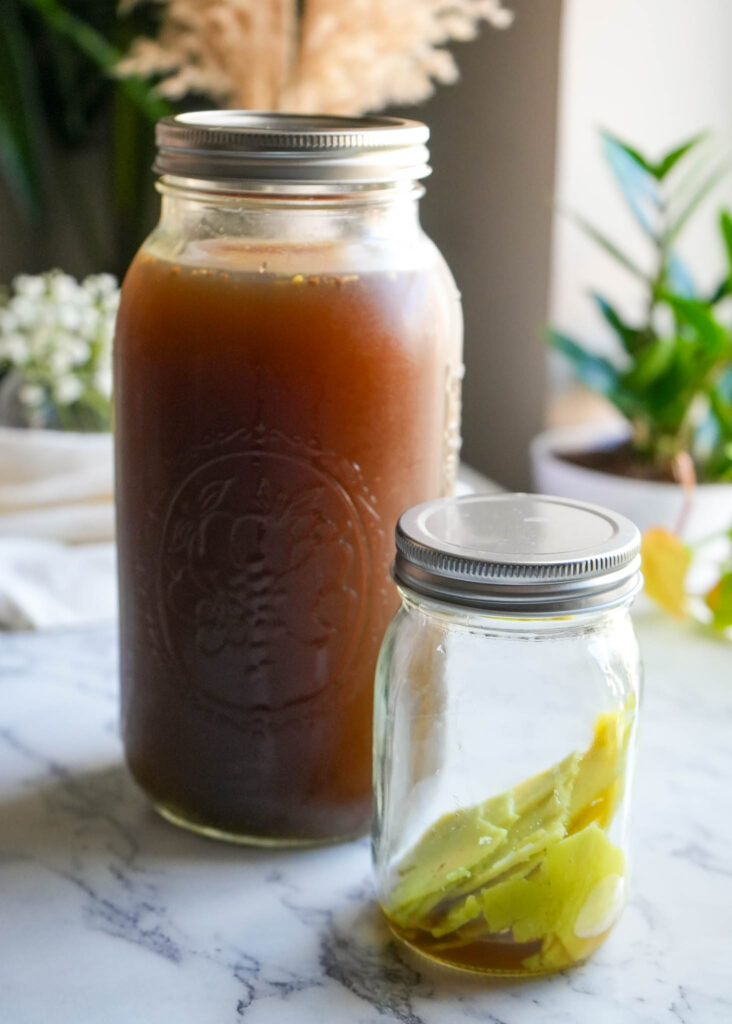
x: 56, y: 485
x: 45, y: 584
x: 56, y: 529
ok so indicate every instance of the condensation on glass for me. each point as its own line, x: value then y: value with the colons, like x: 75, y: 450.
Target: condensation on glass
x: 286, y: 368
x: 506, y: 712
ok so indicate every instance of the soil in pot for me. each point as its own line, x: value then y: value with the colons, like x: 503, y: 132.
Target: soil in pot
x: 621, y: 460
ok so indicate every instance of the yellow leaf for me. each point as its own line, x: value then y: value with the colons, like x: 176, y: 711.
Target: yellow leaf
x: 666, y: 562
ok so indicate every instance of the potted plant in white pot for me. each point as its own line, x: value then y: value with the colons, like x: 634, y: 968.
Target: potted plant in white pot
x: 671, y: 378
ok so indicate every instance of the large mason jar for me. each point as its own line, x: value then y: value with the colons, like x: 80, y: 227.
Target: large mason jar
x: 505, y: 721
x: 287, y: 370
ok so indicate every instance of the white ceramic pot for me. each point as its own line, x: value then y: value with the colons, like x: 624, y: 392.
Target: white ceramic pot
x: 647, y: 502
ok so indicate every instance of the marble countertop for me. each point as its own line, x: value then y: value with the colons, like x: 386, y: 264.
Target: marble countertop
x: 108, y: 915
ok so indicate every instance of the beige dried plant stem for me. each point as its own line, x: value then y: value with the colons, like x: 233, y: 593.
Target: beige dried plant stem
x: 239, y: 52
x: 685, y: 475
x: 332, y: 56
x: 365, y: 54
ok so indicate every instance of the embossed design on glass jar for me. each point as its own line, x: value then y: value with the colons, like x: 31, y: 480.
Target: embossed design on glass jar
x: 265, y: 584
x: 451, y: 441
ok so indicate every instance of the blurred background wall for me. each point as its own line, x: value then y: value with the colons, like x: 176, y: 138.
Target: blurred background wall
x: 489, y: 207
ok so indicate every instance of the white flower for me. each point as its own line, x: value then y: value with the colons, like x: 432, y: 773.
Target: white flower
x: 110, y: 303
x: 60, y: 360
x: 57, y: 334
x: 79, y: 350
x: 103, y: 381
x: 28, y: 286
x: 31, y: 395
x: 89, y: 323
x: 106, y: 333
x: 67, y: 389
x: 8, y: 321
x: 100, y: 285
x: 24, y: 310
x: 62, y: 287
x: 69, y: 316
x: 14, y: 349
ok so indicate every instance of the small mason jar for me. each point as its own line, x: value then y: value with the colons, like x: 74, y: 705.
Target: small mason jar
x: 505, y: 720
x: 287, y: 381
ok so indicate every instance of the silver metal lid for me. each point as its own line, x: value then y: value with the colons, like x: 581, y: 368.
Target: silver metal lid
x: 518, y: 554
x: 246, y: 145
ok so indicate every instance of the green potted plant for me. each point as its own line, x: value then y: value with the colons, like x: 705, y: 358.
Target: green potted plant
x: 671, y: 374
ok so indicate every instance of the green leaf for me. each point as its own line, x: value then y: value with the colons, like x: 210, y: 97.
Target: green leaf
x: 101, y: 52
x: 707, y: 186
x: 637, y: 184
x: 679, y: 277
x: 725, y: 226
x: 719, y: 467
x: 630, y: 338
x: 724, y: 384
x: 595, y: 371
x: 719, y: 600
x: 653, y: 361
x: 669, y: 161
x: 697, y: 315
x: 602, y: 240
x: 635, y: 155
x: 73, y: 88
x: 661, y: 167
x: 20, y: 116
x: 722, y: 410
x: 723, y: 289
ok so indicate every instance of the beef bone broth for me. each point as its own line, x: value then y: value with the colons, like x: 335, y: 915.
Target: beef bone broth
x: 272, y: 425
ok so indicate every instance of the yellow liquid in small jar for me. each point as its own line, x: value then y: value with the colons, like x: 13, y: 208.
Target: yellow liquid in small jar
x: 490, y: 955
x: 527, y: 882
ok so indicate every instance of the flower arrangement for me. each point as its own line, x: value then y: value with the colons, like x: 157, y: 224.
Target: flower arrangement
x: 314, y: 56
x: 56, y: 351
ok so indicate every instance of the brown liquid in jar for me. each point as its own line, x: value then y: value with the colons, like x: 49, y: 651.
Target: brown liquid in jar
x: 270, y: 430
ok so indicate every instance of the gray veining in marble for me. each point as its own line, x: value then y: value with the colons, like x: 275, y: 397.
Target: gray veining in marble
x: 109, y: 915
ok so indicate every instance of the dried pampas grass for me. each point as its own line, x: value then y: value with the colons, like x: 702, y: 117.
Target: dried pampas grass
x: 331, y: 56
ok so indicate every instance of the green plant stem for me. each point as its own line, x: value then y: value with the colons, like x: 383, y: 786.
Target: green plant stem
x: 681, y: 438
x: 22, y: 131
x: 101, y: 52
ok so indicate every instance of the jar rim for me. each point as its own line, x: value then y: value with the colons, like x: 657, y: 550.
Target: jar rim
x: 263, y: 146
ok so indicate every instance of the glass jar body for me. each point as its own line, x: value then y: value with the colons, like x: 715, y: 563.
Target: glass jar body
x: 504, y: 750
x: 286, y: 374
